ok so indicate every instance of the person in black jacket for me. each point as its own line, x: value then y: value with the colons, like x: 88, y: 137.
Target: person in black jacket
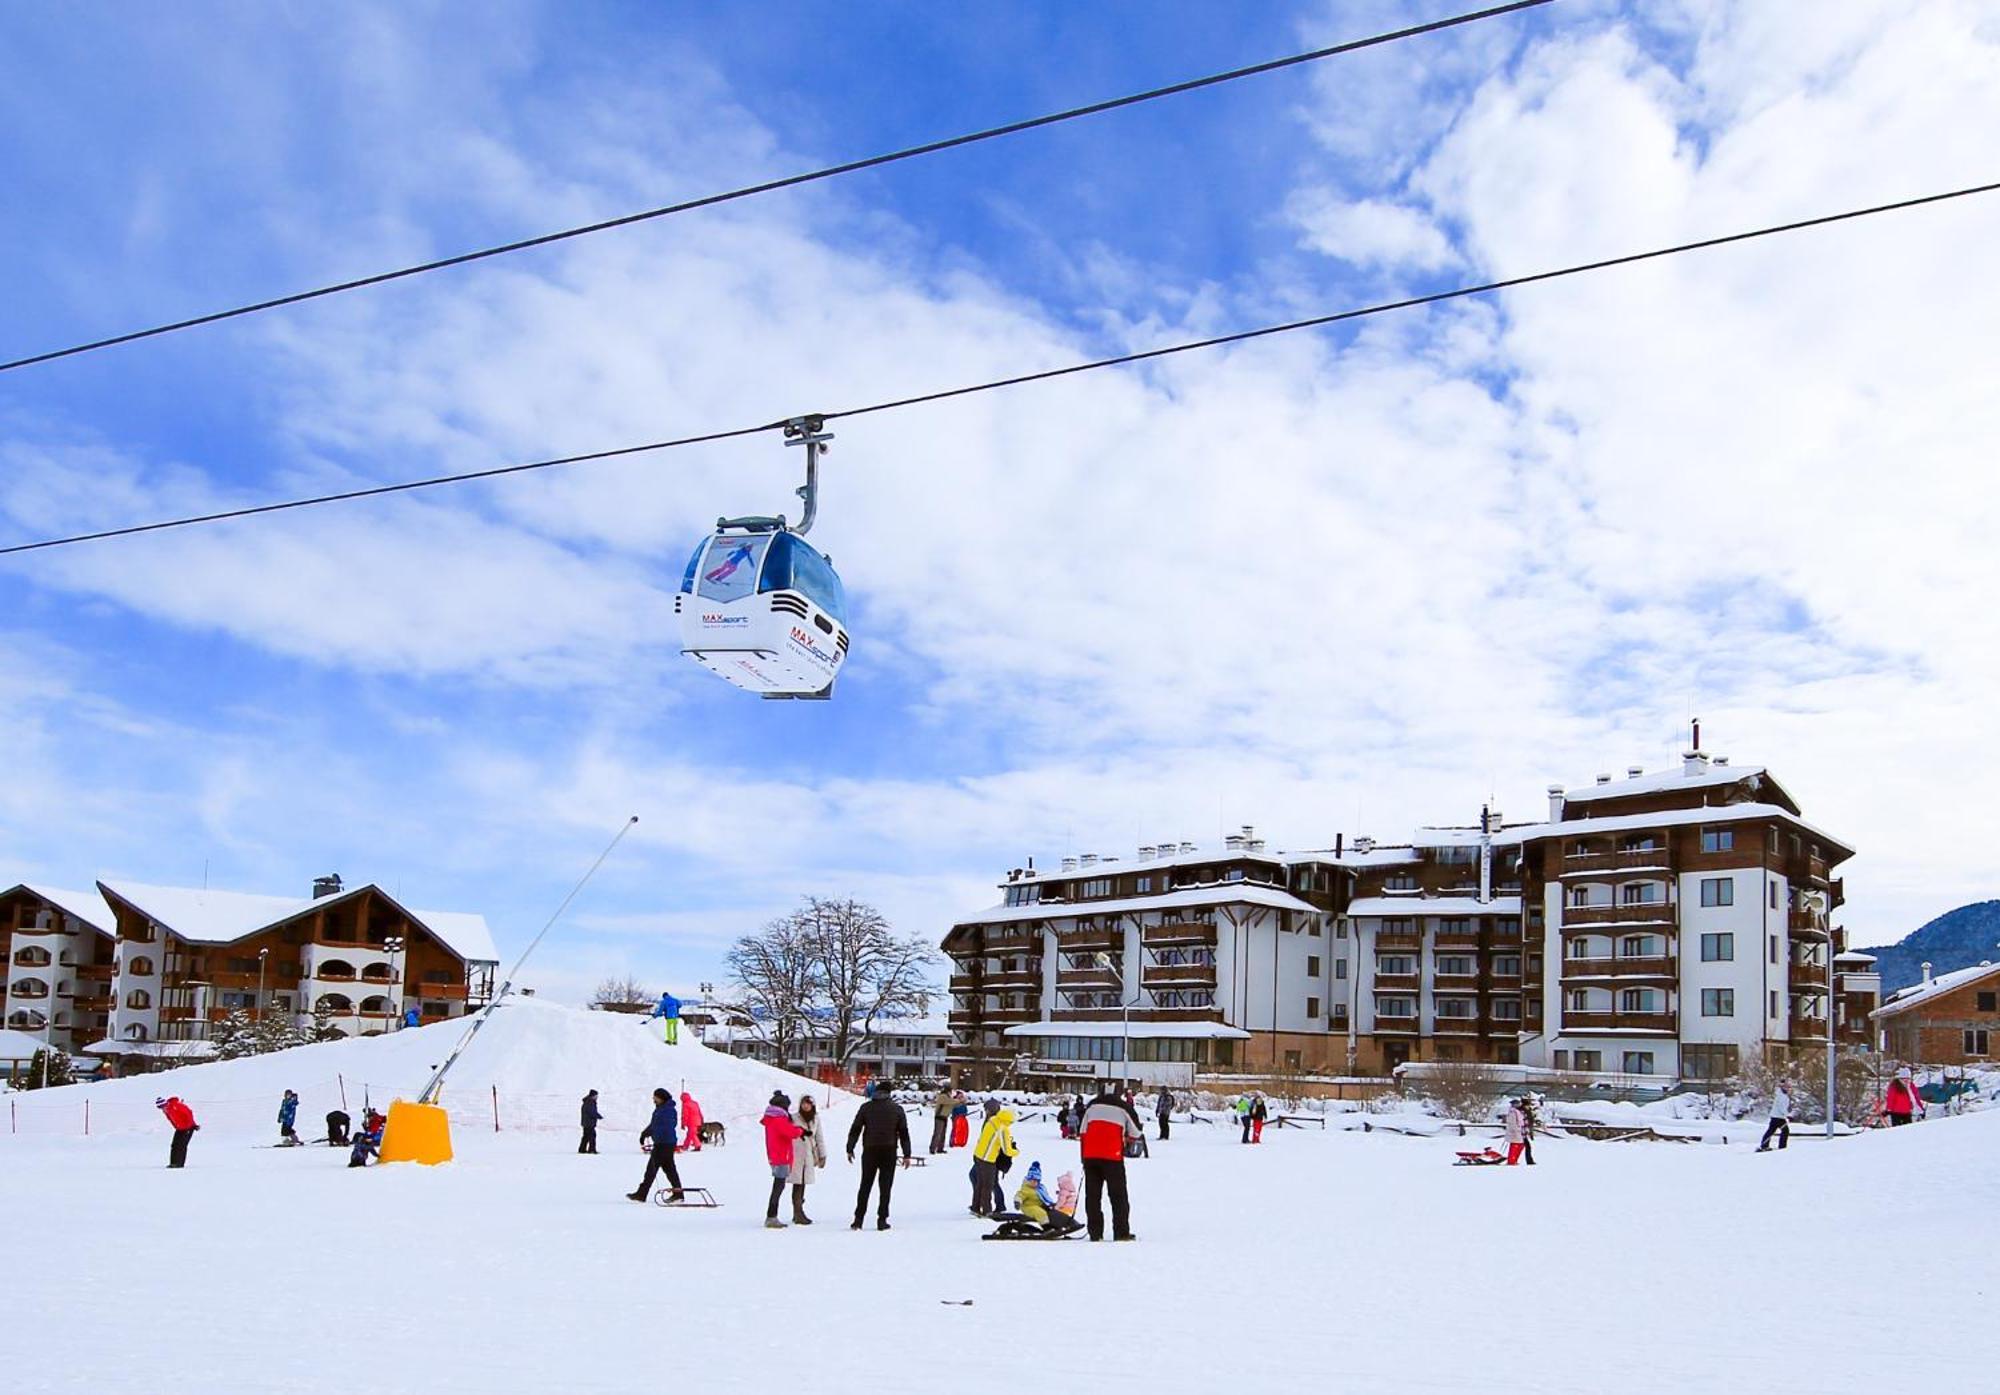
x: 591, y: 1114
x: 661, y: 1130
x: 881, y: 1127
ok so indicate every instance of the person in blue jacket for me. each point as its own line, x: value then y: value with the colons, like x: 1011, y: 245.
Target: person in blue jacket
x: 288, y: 1113
x: 669, y: 1007
x: 662, y: 1130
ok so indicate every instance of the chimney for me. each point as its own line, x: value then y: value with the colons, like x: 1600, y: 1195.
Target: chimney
x: 1256, y: 845
x: 1187, y: 847
x: 1145, y: 852
x: 1233, y: 843
x: 1363, y: 843
x: 1927, y: 973
x: 1338, y: 840
x: 1031, y: 866
x: 1555, y: 803
x: 1088, y: 859
x: 1069, y: 864
x: 326, y: 886
x: 1693, y: 763
x: 1696, y: 741
x: 1633, y: 772
x: 1722, y: 760
x: 1604, y: 777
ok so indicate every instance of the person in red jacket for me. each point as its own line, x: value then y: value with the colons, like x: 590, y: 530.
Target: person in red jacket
x: 691, y: 1120
x: 780, y: 1134
x: 182, y: 1119
x: 1107, y: 1123
x: 1901, y: 1100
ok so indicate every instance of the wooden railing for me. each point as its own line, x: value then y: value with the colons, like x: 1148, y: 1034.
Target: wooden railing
x: 1623, y: 1021
x: 1621, y: 861
x: 1643, y: 913
x: 1637, y: 966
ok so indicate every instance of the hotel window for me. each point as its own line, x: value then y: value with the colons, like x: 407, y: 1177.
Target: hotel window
x: 1458, y: 1008
x: 1715, y: 840
x: 1774, y: 949
x: 1639, y: 1000
x: 1506, y: 1009
x: 1400, y: 881
x: 1975, y: 1041
x: 1340, y: 928
x: 1718, y: 891
x: 1638, y: 1063
x: 1145, y: 884
x: 1400, y: 926
x: 1641, y: 947
x: 1718, y: 1002
x: 1507, y: 966
x: 1097, y: 886
x: 1455, y: 964
x: 1340, y: 1012
x: 1590, y: 1060
x: 1576, y: 1000
x: 1312, y: 1008
x: 1395, y: 1007
x: 1395, y: 964
x: 1989, y: 1002
x: 1774, y: 1003
x: 1234, y: 874
x: 1562, y: 1060
x: 1455, y: 927
x: 1774, y: 895
x: 1312, y: 927
x: 1312, y: 966
x: 1718, y: 949
x: 1340, y: 968
x: 1642, y: 893
x: 1582, y: 947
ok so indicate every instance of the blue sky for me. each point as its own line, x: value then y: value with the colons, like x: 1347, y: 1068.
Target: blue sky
x: 1347, y: 582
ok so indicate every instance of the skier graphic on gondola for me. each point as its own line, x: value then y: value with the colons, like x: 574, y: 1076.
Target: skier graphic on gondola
x: 728, y: 568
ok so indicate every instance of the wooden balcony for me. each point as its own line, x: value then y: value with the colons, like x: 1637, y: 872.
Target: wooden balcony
x: 1628, y: 966
x: 1012, y: 942
x: 1646, y: 913
x: 959, y: 1018
x: 964, y: 983
x: 1396, y: 983
x: 1808, y: 1029
x: 1463, y: 939
x: 99, y: 1002
x: 1188, y: 975
x: 1458, y: 1026
x: 1808, y: 923
x: 1014, y: 979
x: 94, y: 973
x: 1082, y: 941
x: 1808, y: 978
x: 1090, y: 976
x: 1396, y: 1026
x: 1180, y: 932
x: 1619, y: 1021
x: 1625, y: 860
x: 1456, y: 983
x: 1388, y: 938
x: 1007, y: 1017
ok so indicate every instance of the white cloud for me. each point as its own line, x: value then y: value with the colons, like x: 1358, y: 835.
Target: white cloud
x: 1370, y: 232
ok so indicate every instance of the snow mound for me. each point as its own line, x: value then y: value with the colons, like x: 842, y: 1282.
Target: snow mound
x: 527, y: 1069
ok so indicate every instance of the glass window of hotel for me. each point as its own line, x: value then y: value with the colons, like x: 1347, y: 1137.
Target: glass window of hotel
x: 1395, y: 964
x: 1340, y: 968
x: 1718, y: 1002
x: 1506, y: 1009
x: 1312, y: 1007
x: 1638, y: 1063
x: 1457, y: 925
x: 1145, y: 884
x: 1576, y: 1000
x: 1340, y: 928
x: 1583, y: 947
x: 1097, y: 886
x: 1718, y: 949
x: 1312, y: 966
x: 1714, y: 840
x: 1234, y: 874
x: 1400, y: 881
x: 1590, y: 1060
x: 1457, y: 1007
x: 1975, y: 1041
x: 1642, y: 947
x: 1562, y: 1060
x: 1718, y: 891
x: 1395, y: 1007
x: 1640, y: 1000
x: 1641, y: 842
x: 1401, y: 926
x: 1455, y: 964
x: 1642, y: 893
x: 1507, y: 966
x: 1989, y: 1002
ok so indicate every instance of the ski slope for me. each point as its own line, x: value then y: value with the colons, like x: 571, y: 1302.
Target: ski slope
x: 1343, y: 1260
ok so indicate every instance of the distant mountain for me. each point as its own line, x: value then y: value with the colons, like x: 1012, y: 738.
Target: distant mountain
x: 1955, y: 940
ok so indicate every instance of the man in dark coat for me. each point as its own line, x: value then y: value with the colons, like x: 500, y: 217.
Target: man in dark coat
x: 881, y: 1127
x: 661, y: 1129
x: 1108, y: 1123
x: 591, y: 1114
x: 1165, y: 1107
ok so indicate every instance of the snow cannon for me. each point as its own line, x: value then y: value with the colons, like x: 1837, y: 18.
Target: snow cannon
x: 418, y: 1133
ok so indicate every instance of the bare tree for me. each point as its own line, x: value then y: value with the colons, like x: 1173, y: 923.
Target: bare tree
x: 865, y: 973
x: 621, y: 992
x: 779, y: 976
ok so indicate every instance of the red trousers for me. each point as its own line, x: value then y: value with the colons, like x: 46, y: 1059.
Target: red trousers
x: 1256, y: 1130
x: 1513, y: 1154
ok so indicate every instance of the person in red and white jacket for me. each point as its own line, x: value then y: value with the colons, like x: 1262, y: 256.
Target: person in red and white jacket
x: 1108, y: 1122
x: 182, y: 1119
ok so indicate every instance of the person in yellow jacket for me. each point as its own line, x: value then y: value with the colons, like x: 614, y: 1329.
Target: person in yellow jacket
x: 996, y: 1141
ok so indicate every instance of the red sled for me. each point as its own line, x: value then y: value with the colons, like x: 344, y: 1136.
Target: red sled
x: 1485, y: 1157
x: 959, y: 1129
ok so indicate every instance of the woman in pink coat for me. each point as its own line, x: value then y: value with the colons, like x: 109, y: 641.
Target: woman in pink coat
x: 780, y: 1133
x: 690, y: 1124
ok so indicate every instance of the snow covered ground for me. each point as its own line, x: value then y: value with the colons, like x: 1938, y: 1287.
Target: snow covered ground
x: 1342, y: 1259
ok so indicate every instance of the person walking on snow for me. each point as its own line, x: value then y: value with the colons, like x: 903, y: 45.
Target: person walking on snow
x: 996, y: 1140
x: 808, y: 1156
x: 1108, y: 1122
x: 288, y: 1113
x: 1781, y: 1120
x: 1164, y: 1108
x: 1901, y: 1101
x: 660, y: 1129
x: 1243, y: 1115
x: 691, y: 1119
x: 1530, y: 1121
x: 590, y: 1115
x: 1259, y: 1112
x: 1517, y: 1131
x: 669, y: 1008
x: 961, y: 1112
x: 781, y: 1137
x: 182, y: 1119
x: 941, y: 1105
x: 880, y: 1127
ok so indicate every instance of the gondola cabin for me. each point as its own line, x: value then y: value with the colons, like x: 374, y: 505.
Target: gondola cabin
x: 764, y: 610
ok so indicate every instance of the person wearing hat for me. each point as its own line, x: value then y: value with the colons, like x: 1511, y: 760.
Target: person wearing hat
x: 288, y: 1114
x: 781, y: 1135
x: 591, y: 1114
x: 660, y: 1129
x: 182, y: 1119
x: 1034, y: 1202
x: 880, y: 1127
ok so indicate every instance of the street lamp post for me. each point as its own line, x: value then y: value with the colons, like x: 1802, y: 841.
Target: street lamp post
x: 1124, y: 1017
x: 394, y: 945
x: 263, y: 957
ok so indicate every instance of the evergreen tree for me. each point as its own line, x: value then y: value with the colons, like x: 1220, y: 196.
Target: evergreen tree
x: 322, y: 1025
x: 278, y: 1031
x: 234, y: 1036
x: 59, y: 1070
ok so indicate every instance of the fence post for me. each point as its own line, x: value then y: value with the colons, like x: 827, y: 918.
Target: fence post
x: 343, y: 1091
x: 13, y: 1119
x: 86, y: 1118
x: 496, y: 1109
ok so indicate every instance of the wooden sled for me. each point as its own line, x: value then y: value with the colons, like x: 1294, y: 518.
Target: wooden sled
x: 692, y: 1198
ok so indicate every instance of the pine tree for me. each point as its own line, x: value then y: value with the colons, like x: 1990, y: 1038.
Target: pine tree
x: 322, y: 1028
x: 59, y: 1070
x: 278, y: 1031
x: 234, y: 1036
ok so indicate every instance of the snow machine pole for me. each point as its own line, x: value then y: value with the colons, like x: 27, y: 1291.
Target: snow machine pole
x: 431, y: 1091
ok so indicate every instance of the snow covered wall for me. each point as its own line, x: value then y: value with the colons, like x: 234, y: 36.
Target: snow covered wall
x: 531, y: 1064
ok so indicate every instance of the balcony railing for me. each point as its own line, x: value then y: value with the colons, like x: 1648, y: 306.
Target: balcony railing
x: 1640, y: 913
x: 1015, y: 978
x: 1621, y: 1021
x: 1808, y: 923
x: 1386, y: 936
x: 1457, y: 936
x: 1012, y: 942
x: 1195, y: 974
x: 1396, y: 1025
x: 1808, y: 1029
x: 1180, y: 932
x: 1626, y: 966
x: 102, y: 1002
x: 1624, y: 860
x: 1808, y: 978
x: 1458, y: 1026
x: 1456, y: 983
x: 95, y: 973
x: 1089, y: 976
x: 1078, y: 941
x: 1395, y: 983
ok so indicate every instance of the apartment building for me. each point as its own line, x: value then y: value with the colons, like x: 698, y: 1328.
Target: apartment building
x: 186, y: 958
x: 1664, y: 925
x: 58, y: 949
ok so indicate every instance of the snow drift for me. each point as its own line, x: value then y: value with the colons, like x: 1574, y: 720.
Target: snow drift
x: 528, y: 1068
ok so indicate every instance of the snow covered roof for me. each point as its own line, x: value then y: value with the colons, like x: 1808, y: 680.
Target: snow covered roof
x: 18, y: 1046
x: 87, y: 906
x: 1193, y: 1031
x: 1433, y: 905
x: 1707, y: 776
x: 1221, y: 894
x: 1674, y: 818
x: 1854, y: 956
x: 1906, y: 998
x: 161, y: 1050
x: 1377, y: 856
x: 206, y: 916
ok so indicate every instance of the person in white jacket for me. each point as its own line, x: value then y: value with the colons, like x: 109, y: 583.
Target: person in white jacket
x: 1781, y: 1119
x: 808, y: 1156
x: 1517, y: 1131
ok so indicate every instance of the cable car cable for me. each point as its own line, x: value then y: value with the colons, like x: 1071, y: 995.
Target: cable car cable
x: 1241, y: 336
x: 787, y: 182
